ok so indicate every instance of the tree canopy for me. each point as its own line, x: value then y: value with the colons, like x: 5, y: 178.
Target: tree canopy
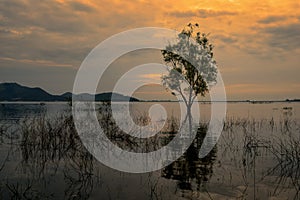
x: 191, y: 61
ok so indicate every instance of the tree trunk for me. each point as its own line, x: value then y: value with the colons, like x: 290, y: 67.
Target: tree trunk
x: 189, y: 115
x: 189, y: 111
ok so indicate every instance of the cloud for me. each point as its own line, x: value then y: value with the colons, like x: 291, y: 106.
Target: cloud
x: 46, y: 31
x: 227, y: 39
x: 151, y: 76
x: 36, y: 62
x: 62, y: 31
x: 81, y: 7
x: 285, y: 37
x: 250, y: 88
x: 37, y: 37
x: 272, y: 19
x: 203, y: 13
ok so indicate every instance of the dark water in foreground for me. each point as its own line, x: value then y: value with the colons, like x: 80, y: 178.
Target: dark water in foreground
x: 256, y: 157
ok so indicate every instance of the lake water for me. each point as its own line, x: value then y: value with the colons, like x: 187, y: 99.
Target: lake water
x: 256, y: 157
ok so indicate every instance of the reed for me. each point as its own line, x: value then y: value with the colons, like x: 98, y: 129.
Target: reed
x: 52, y: 145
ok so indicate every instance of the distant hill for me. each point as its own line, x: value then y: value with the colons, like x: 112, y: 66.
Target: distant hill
x: 101, y: 97
x: 17, y: 92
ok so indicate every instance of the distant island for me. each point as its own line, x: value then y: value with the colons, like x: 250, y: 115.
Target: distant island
x: 17, y: 92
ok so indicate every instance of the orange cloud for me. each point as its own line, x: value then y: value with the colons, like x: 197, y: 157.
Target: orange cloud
x: 36, y: 62
x: 151, y: 76
x: 252, y: 38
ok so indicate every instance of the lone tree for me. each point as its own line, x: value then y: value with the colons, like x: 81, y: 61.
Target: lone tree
x: 193, y: 67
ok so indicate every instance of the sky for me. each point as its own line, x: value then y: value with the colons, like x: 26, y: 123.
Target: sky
x: 257, y: 43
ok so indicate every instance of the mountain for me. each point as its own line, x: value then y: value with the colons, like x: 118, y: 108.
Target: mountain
x: 116, y: 97
x: 101, y: 97
x: 17, y: 92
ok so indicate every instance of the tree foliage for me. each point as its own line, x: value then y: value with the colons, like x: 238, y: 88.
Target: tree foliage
x: 191, y: 61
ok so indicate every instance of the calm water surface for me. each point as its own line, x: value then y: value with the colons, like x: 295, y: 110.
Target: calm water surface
x: 257, y: 157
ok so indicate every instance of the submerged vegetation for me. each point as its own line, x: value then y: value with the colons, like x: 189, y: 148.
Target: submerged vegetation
x: 254, y: 159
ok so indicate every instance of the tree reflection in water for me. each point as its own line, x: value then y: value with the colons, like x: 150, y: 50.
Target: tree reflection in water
x: 189, y: 170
